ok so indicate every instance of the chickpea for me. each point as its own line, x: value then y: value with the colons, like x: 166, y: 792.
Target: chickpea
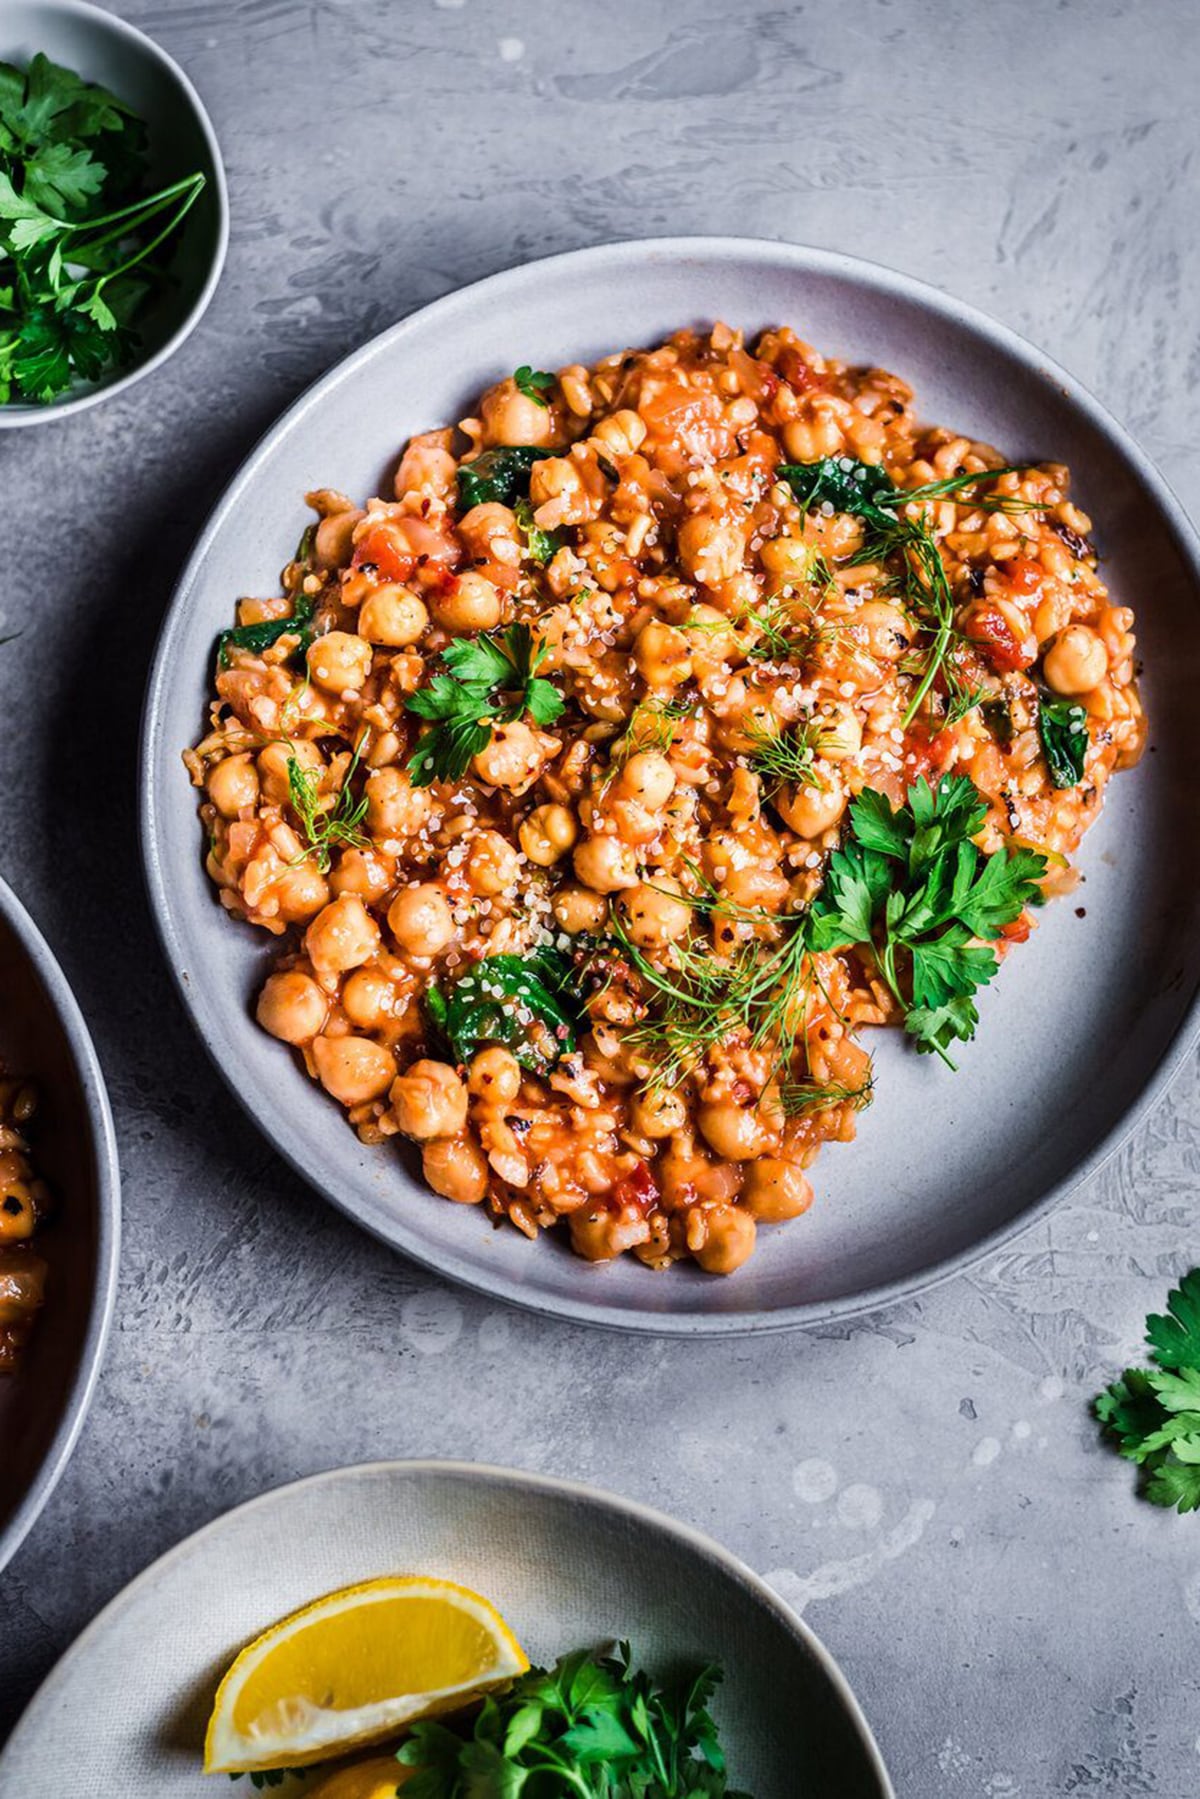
x: 429, y: 1101
x: 456, y: 1168
x: 579, y: 909
x: 711, y: 549
x: 620, y: 434
x: 363, y: 872
x: 353, y: 1069
x: 662, y: 654
x: 736, y: 1132
x: 420, y: 920
x: 427, y: 466
x: 299, y: 893
x: 812, y: 810
x: 1076, y: 661
x: 511, y: 417
x: 775, y: 1189
x: 368, y: 998
x: 888, y: 633
x: 548, y: 833
x: 652, y: 916
x: 787, y: 559
x: 233, y: 784
x: 343, y: 935
x: 605, y: 864
x: 393, y: 616
x: 395, y: 808
x: 18, y: 1214
x: 512, y: 759
x: 334, y: 541
x: 648, y: 777
x: 657, y: 1112
x: 492, y: 864
x: 470, y: 603
x: 291, y: 1006
x: 598, y: 1233
x: 273, y: 760
x: 339, y: 662
x: 495, y: 1076
x: 839, y: 732
x: 728, y: 1239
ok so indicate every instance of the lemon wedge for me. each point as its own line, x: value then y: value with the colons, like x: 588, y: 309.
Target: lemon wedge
x: 352, y: 1668
x: 380, y: 1778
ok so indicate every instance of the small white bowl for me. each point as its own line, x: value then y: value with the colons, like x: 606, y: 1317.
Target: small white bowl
x: 102, y: 48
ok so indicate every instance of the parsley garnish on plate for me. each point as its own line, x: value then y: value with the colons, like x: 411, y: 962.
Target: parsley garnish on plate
x: 492, y: 679
x: 1153, y: 1414
x: 594, y: 1727
x: 535, y: 384
x: 913, y: 891
x: 78, y: 231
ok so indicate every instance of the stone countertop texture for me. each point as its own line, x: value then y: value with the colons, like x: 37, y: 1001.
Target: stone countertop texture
x: 925, y: 1484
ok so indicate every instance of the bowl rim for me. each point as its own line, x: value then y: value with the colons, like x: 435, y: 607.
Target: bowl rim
x: 489, y: 1474
x: 108, y: 1222
x: 613, y: 257
x: 25, y: 413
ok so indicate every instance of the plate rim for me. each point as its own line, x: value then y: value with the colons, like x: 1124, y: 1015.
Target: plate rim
x: 797, y: 259
x: 92, y: 1349
x: 491, y: 1474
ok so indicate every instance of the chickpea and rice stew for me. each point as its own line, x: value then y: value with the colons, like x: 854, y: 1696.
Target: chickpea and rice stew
x: 24, y: 1203
x: 677, y: 718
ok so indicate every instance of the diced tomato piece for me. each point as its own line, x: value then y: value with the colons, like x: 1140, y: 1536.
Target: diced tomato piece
x: 380, y: 549
x: 798, y: 374
x: 925, y: 755
x: 1023, y: 574
x: 1018, y: 930
x: 637, y: 1188
x: 997, y: 639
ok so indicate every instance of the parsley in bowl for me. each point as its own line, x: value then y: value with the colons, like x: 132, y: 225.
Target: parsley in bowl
x: 112, y: 209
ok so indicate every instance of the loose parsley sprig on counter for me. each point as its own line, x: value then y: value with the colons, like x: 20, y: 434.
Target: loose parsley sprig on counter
x: 594, y: 1727
x: 911, y: 889
x: 78, y: 230
x: 492, y: 679
x: 1153, y: 1414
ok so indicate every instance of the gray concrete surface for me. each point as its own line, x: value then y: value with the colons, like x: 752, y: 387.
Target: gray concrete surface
x: 927, y: 1483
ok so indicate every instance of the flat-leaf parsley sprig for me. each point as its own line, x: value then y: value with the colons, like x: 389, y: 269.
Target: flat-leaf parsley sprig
x: 925, y: 902
x: 1153, y: 1414
x: 594, y: 1727
x: 491, y: 680
x: 535, y: 384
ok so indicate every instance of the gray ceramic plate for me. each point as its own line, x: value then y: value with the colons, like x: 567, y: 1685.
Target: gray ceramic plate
x: 568, y: 1567
x: 1085, y: 1024
x: 101, y: 47
x: 42, y: 1035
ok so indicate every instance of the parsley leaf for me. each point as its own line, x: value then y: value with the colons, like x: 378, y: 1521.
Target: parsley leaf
x: 594, y: 1727
x: 492, y: 680
x: 913, y: 890
x: 1153, y: 1414
x: 535, y: 384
